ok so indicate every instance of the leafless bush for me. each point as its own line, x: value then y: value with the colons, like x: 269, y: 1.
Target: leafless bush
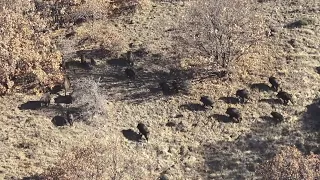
x: 291, y: 164
x: 221, y: 30
x: 88, y: 96
x: 28, y: 57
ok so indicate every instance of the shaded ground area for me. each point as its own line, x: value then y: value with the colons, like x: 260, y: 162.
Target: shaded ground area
x: 145, y: 86
x: 239, y: 159
x: 311, y: 118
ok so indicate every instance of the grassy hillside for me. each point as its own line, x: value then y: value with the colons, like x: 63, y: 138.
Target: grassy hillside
x: 277, y: 38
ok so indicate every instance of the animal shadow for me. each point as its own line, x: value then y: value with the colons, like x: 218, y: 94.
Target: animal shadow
x: 141, y: 52
x: 75, y: 64
x: 220, y: 74
x: 271, y: 101
x: 266, y: 118
x: 295, y: 24
x: 31, y: 105
x: 63, y: 99
x: 230, y: 100
x: 80, y: 65
x: 56, y: 89
x: 35, y: 177
x: 318, y: 70
x: 59, y: 121
x: 311, y: 117
x: 131, y: 135
x: 222, y: 118
x: 99, y: 53
x: 260, y: 87
x: 154, y: 90
x: 193, y: 107
x: 118, y: 62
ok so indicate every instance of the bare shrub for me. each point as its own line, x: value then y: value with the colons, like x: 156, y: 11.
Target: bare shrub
x: 291, y: 164
x: 89, y: 97
x: 88, y: 162
x: 221, y: 30
x: 28, y: 58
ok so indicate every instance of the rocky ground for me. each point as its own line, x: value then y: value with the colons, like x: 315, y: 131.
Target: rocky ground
x: 202, y: 145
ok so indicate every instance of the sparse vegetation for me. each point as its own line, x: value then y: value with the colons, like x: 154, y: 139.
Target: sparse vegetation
x: 290, y: 163
x: 124, y: 57
x: 97, y: 161
x: 86, y: 162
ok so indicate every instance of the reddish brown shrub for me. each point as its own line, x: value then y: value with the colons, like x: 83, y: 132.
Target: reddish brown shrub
x: 29, y: 59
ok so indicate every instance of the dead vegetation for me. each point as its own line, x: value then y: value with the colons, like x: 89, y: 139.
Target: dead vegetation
x: 29, y: 58
x: 97, y: 161
x: 82, y: 162
x: 290, y: 163
x: 220, y: 31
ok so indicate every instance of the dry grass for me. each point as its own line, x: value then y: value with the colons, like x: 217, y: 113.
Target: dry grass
x: 84, y: 162
x: 99, y: 35
x: 31, y: 144
x: 96, y: 160
x: 291, y: 164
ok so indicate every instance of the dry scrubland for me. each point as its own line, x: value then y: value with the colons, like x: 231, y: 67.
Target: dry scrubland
x: 250, y: 40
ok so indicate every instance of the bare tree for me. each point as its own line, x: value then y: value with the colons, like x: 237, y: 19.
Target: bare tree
x: 221, y: 30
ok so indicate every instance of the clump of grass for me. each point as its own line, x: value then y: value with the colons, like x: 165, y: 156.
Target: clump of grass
x: 290, y: 163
